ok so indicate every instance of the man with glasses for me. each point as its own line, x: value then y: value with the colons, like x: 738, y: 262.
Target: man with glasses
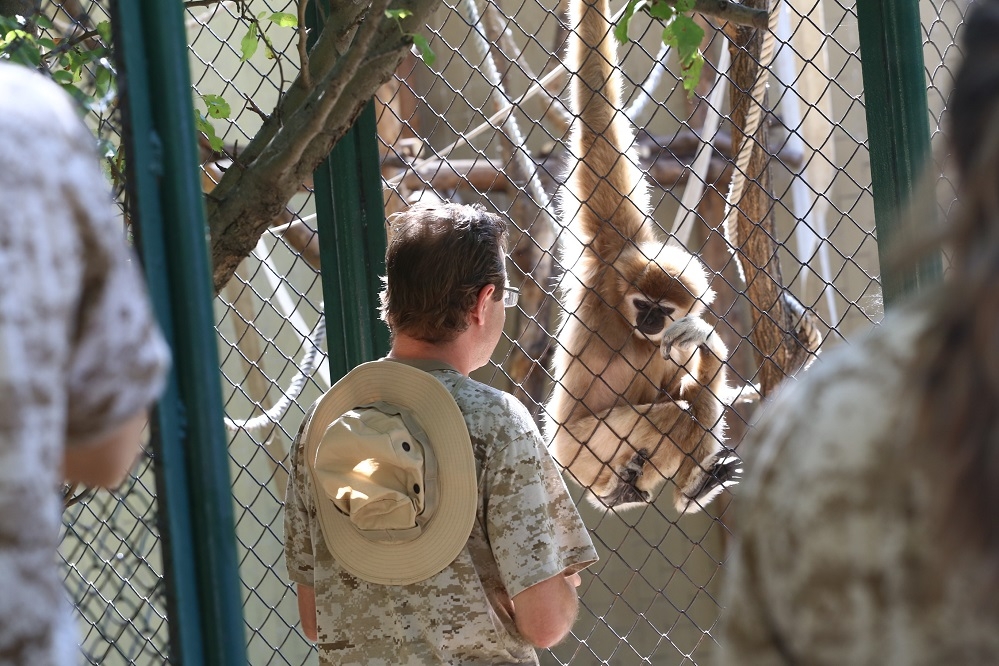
x: 511, y: 587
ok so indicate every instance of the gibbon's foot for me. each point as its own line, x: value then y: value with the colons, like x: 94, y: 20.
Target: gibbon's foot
x: 685, y: 334
x: 626, y: 492
x: 725, y: 472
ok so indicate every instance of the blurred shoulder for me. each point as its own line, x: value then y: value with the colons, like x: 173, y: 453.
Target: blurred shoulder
x: 850, y: 375
x: 27, y: 98
x: 835, y: 420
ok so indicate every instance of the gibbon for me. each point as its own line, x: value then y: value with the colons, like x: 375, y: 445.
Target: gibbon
x: 638, y: 374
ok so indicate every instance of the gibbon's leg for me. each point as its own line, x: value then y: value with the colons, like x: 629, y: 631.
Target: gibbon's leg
x: 623, y: 454
x: 703, y: 475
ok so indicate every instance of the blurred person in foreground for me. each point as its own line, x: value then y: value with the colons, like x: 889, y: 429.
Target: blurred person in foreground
x: 425, y: 521
x: 81, y: 358
x: 868, y: 529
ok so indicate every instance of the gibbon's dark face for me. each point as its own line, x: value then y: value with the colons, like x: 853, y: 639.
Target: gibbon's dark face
x: 651, y: 318
x: 656, y: 301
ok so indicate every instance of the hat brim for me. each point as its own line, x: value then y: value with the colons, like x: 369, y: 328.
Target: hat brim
x: 446, y: 533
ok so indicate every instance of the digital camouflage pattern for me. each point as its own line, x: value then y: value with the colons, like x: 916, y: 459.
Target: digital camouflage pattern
x: 836, y: 561
x: 527, y: 530
x: 79, y: 350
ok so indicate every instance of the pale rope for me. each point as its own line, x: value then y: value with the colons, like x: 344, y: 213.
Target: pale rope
x: 693, y: 193
x: 284, y: 303
x: 306, y: 368
x: 313, y: 358
x: 812, y: 237
x: 499, y: 117
x: 753, y: 120
x: 510, y: 126
x: 645, y: 91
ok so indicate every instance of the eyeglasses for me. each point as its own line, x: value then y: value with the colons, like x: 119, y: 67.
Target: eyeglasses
x: 510, y: 296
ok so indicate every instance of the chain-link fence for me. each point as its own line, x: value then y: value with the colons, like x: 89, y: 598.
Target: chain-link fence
x: 487, y: 122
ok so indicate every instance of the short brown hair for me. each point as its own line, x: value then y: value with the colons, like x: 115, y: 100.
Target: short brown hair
x: 439, y: 257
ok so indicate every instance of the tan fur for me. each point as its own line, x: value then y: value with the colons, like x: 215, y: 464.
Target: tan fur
x: 624, y: 416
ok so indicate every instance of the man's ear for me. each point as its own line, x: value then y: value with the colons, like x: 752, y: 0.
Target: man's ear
x: 482, y: 302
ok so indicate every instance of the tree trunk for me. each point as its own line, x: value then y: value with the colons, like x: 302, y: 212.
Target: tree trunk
x: 783, y: 340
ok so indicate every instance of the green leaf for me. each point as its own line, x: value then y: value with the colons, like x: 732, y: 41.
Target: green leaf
x: 63, y: 77
x: 102, y: 82
x: 692, y: 75
x: 104, y: 30
x: 621, y: 29
x: 662, y: 11
x: 684, y: 6
x: 426, y: 53
x: 217, y: 106
x: 43, y: 22
x: 685, y: 36
x: 398, y: 14
x: 284, y: 19
x: 206, y: 128
x: 248, y: 45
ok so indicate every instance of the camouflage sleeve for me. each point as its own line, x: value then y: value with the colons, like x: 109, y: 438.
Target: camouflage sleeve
x: 118, y: 359
x: 532, y: 524
x: 298, y: 513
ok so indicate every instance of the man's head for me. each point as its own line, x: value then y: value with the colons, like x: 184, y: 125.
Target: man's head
x: 439, y: 258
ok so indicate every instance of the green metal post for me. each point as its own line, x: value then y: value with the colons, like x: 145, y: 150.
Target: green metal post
x: 211, y: 590
x: 898, y: 130
x: 145, y: 166
x: 350, y: 214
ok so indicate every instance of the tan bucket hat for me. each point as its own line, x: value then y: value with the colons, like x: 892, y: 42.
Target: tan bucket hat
x: 393, y: 473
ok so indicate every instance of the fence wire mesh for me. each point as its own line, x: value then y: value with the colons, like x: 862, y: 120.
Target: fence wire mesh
x: 487, y: 123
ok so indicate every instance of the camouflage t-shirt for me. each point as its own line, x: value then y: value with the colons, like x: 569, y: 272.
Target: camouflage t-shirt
x: 837, y: 561
x: 79, y: 350
x: 527, y: 530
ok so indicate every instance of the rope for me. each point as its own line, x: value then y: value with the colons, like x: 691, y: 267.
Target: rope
x: 280, y: 408
x: 645, y: 90
x: 693, y: 193
x: 509, y: 126
x: 753, y: 120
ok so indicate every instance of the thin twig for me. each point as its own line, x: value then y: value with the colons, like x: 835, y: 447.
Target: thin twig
x: 70, y: 43
x: 303, y: 45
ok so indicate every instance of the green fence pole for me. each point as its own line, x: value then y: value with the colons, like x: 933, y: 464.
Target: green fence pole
x: 144, y: 164
x: 898, y: 131
x: 196, y: 361
x: 350, y: 216
x: 351, y: 221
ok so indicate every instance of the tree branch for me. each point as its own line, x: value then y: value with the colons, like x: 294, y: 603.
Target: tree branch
x: 733, y: 12
x: 348, y: 62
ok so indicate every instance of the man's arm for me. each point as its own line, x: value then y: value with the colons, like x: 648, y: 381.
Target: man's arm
x: 544, y: 613
x: 307, y: 611
x: 106, y: 461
